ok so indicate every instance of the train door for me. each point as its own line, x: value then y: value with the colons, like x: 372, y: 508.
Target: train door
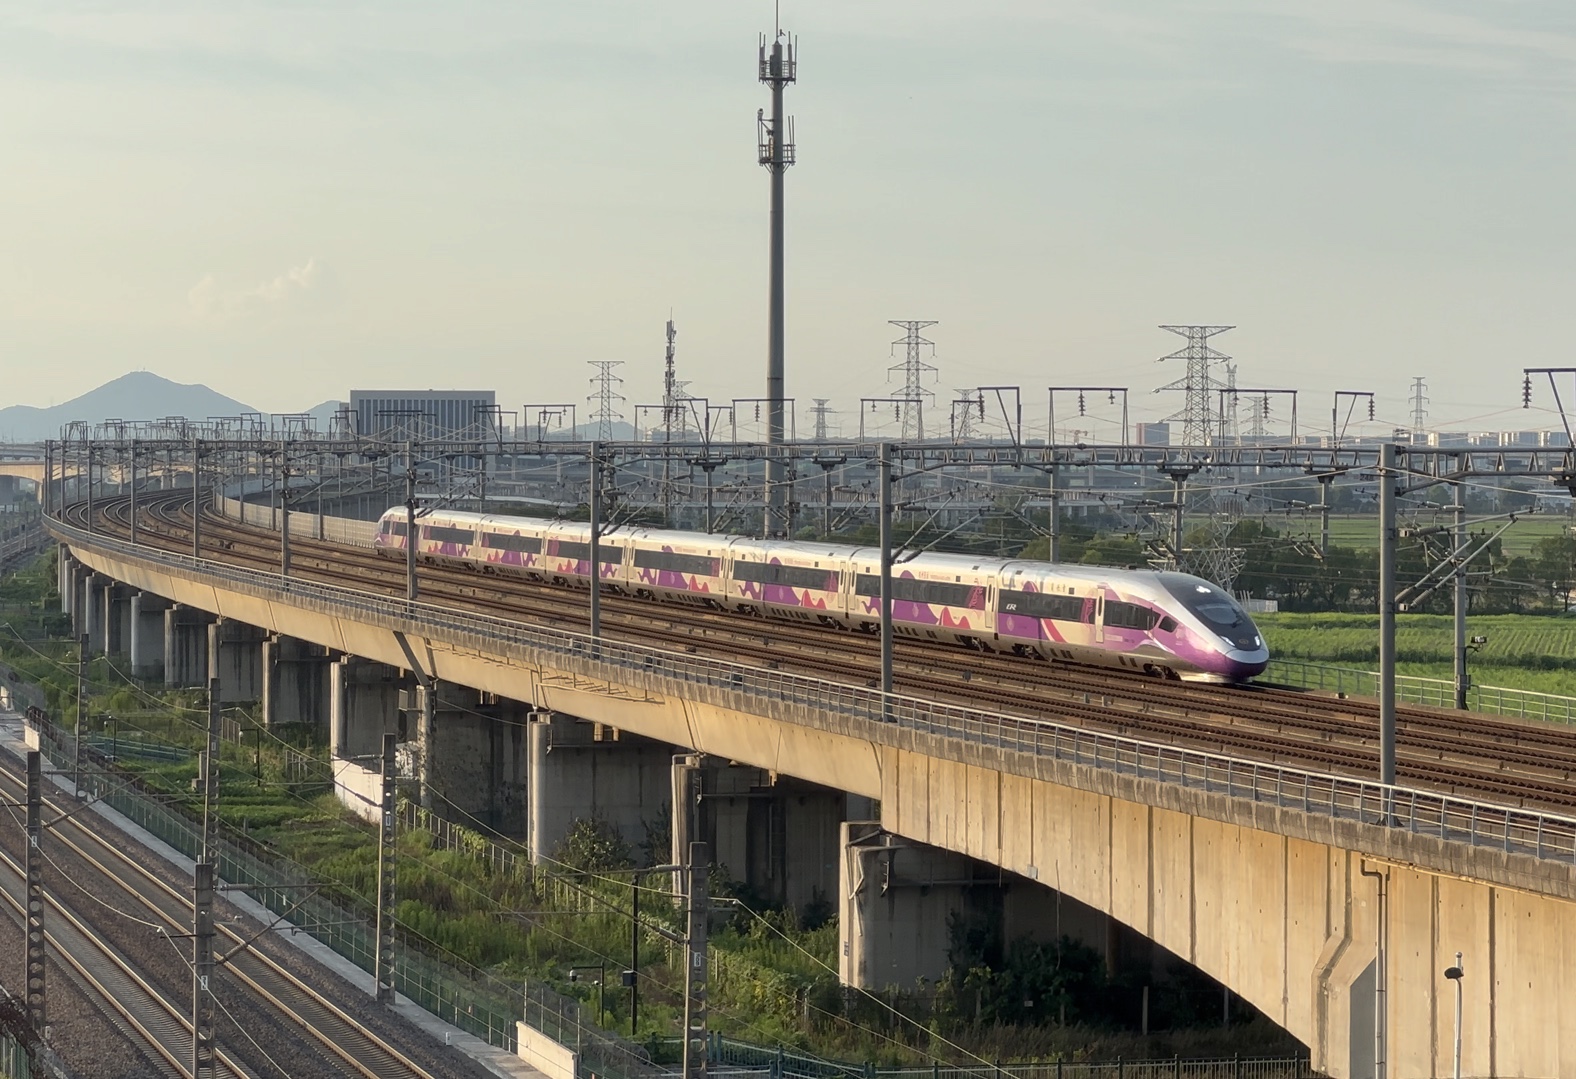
x: 1099, y: 614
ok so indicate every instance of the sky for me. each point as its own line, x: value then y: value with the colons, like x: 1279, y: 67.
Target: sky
x: 289, y: 200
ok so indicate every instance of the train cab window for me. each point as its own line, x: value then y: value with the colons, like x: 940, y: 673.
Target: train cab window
x: 1168, y: 624
x: 394, y: 528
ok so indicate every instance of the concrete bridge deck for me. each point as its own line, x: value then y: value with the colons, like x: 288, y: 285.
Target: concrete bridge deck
x: 1283, y: 884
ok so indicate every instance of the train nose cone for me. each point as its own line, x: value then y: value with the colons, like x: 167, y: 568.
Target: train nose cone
x: 1248, y: 662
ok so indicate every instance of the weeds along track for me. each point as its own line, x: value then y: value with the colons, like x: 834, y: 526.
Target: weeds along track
x: 294, y: 1028
x: 1523, y: 763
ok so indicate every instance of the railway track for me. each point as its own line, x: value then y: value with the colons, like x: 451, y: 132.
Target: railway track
x: 272, y: 994
x: 1523, y: 763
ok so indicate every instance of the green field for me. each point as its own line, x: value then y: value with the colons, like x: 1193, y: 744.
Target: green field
x: 1362, y: 531
x: 1523, y: 651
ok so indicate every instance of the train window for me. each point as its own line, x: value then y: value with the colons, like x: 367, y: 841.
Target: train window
x: 1119, y: 615
x: 394, y: 528
x: 501, y: 541
x: 1168, y: 624
x: 581, y: 552
x: 912, y: 590
x: 1043, y: 605
x: 698, y: 564
x: 445, y: 534
x: 825, y: 580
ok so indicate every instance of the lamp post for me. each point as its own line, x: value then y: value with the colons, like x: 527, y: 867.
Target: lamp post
x: 601, y: 982
x: 1455, y: 974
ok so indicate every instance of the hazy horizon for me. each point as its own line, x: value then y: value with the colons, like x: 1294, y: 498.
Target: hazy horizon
x: 288, y: 202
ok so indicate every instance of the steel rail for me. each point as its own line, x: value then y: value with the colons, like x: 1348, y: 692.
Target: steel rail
x: 368, y: 1055
x: 162, y: 1025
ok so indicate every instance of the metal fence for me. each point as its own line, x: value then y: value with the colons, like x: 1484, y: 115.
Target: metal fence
x: 800, y: 698
x: 464, y: 996
x: 14, y: 1061
x: 1414, y: 689
x: 740, y: 1058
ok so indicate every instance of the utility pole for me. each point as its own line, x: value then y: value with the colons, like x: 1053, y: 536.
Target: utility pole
x: 202, y: 971
x: 671, y: 411
x: 37, y: 1013
x: 82, y: 679
x: 284, y: 514
x: 196, y: 498
x: 133, y: 492
x: 914, y: 369
x: 1055, y: 554
x: 210, y: 779
x: 1463, y: 679
x: 1389, y: 477
x: 594, y: 500
x: 884, y: 463
x: 384, y: 965
x: 410, y: 522
x: 777, y: 69
x: 696, y: 967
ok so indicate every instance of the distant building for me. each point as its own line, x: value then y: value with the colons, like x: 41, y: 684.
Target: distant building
x: 420, y: 415
x: 1154, y: 434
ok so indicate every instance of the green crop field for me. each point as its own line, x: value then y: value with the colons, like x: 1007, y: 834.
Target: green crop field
x: 1362, y: 532
x: 1522, y: 651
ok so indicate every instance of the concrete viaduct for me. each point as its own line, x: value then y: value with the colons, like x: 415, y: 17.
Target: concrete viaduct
x: 1331, y: 905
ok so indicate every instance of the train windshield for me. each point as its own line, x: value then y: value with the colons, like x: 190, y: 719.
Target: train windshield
x: 1215, y: 608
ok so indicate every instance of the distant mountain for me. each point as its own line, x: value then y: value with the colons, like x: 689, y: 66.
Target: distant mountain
x: 323, y: 414
x: 140, y: 395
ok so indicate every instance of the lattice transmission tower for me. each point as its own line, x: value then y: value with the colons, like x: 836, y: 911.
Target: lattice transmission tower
x: 821, y: 411
x: 914, y: 369
x: 1419, y: 409
x: 605, y: 397
x: 1199, y: 385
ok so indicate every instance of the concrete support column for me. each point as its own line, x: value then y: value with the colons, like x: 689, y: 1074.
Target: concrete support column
x: 778, y: 835
x: 92, y: 622
x: 296, y: 684
x: 235, y: 658
x: 473, y: 757
x: 580, y: 769
x: 63, y: 577
x: 147, y: 634
x: 364, y: 704
x: 186, y: 646
x: 117, y: 620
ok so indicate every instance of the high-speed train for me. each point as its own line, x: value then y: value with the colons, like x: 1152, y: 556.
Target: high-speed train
x: 1168, y: 624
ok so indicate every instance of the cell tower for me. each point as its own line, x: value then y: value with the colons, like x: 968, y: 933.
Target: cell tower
x: 1419, y: 409
x: 672, y: 411
x: 1198, y: 385
x: 775, y: 146
x: 821, y: 410
x: 605, y: 397
x: 914, y: 370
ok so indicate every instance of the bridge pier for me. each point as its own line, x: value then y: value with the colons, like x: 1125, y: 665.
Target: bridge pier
x: 778, y: 835
x: 296, y: 684
x: 580, y: 769
x: 235, y: 658
x: 363, y: 706
x: 186, y: 646
x: 473, y: 757
x: 147, y: 634
x: 117, y: 620
x: 65, y: 568
x: 91, y: 607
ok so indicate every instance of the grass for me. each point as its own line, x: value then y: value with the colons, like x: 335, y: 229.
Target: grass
x: 1362, y: 531
x: 1523, y: 651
